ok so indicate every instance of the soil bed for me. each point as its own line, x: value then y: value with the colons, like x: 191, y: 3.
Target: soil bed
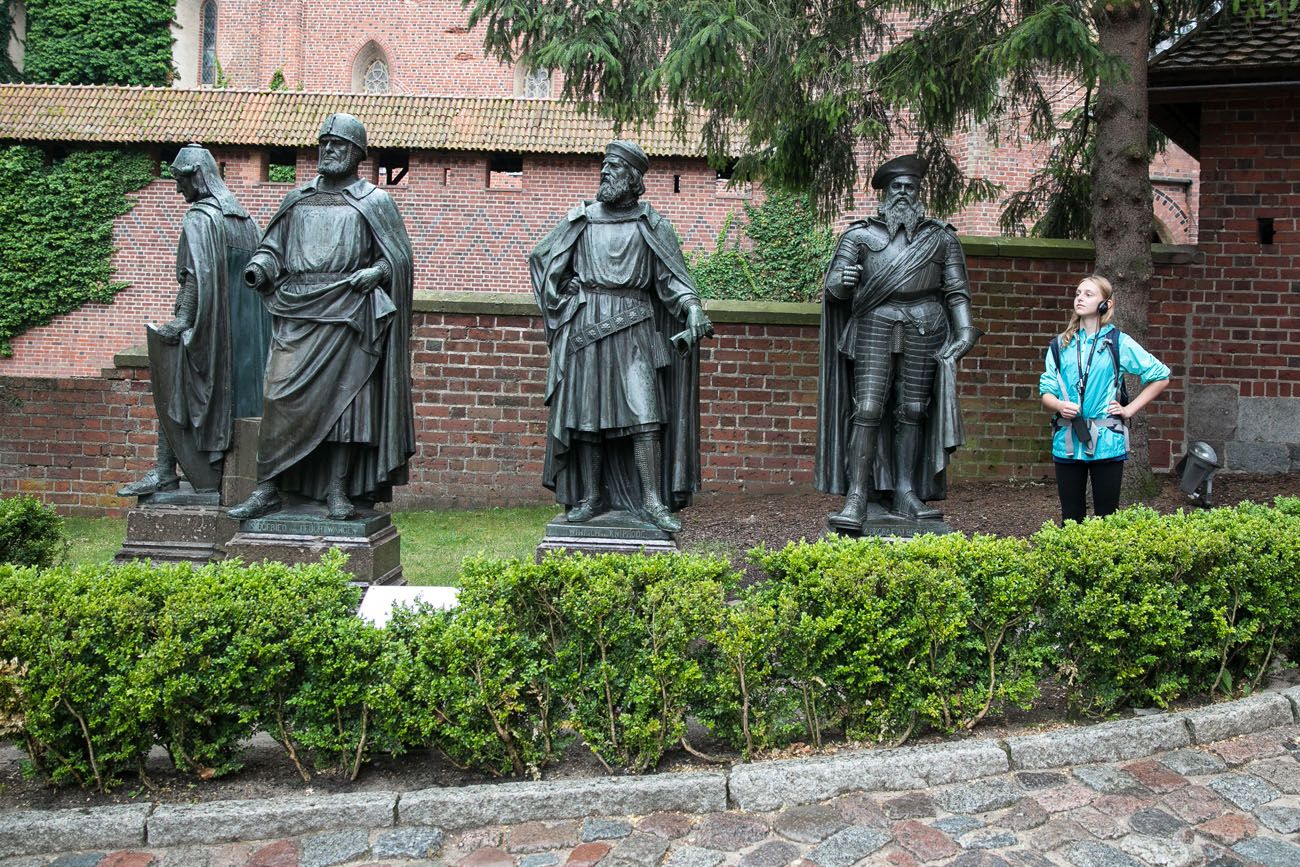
x: 724, y: 524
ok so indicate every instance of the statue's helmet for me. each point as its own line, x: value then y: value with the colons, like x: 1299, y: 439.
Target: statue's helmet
x: 345, y: 126
x: 908, y: 164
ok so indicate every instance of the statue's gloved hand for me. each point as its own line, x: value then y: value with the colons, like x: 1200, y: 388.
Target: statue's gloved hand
x: 697, y: 326
x: 957, y: 348
x: 850, y: 276
x: 171, y: 332
x: 366, y: 279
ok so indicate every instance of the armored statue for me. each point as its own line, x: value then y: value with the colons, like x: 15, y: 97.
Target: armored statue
x: 896, y: 320
x: 335, y: 271
x: 206, y: 364
x: 622, y: 319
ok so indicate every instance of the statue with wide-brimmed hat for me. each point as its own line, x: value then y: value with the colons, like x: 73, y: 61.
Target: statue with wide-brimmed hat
x: 896, y: 321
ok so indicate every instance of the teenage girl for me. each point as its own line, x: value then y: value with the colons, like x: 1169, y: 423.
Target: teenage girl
x: 1091, y: 438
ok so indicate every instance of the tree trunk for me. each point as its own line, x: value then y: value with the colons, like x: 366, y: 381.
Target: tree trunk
x: 1121, y: 191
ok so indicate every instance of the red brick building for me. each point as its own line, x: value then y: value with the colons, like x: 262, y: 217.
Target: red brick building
x: 481, y: 176
x: 1229, y: 94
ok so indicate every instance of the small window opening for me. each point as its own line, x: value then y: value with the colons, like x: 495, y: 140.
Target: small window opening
x: 506, y: 172
x: 221, y: 169
x: 677, y: 183
x: 167, y: 156
x: 392, y: 165
x: 446, y: 176
x: 281, y: 166
x: 1265, y: 230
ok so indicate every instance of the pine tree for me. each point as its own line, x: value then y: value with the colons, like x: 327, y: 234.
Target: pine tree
x: 795, y: 91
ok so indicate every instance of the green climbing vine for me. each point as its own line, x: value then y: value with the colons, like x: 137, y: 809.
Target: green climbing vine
x: 56, y: 231
x: 93, y: 42
x: 778, y: 254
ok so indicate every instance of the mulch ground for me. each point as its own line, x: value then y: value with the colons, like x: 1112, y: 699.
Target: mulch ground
x: 735, y: 523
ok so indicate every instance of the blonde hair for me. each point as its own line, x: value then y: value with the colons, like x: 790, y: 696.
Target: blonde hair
x: 1107, y: 294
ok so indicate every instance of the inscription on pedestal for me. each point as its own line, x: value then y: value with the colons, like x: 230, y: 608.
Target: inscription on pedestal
x: 610, y: 533
x: 303, y: 533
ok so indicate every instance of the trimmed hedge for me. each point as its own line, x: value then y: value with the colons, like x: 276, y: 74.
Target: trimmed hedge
x: 31, y: 533
x: 861, y: 638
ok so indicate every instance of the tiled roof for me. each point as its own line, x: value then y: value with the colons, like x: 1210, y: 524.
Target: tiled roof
x: 1230, y: 42
x: 33, y: 112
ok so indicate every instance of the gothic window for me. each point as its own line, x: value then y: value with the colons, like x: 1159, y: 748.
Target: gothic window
x: 370, y: 72
x: 532, y: 83
x: 376, y: 79
x: 209, y: 35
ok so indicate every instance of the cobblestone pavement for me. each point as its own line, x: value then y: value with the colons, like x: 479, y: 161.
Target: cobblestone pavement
x: 1230, y: 802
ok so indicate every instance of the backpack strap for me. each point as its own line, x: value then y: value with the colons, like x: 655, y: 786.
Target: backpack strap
x: 1121, y: 388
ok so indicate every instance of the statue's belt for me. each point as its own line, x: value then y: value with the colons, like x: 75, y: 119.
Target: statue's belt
x: 624, y: 319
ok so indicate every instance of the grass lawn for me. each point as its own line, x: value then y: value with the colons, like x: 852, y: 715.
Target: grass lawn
x: 93, y: 540
x: 433, y: 543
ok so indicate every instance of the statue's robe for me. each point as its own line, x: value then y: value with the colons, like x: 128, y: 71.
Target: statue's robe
x: 339, y: 369
x: 942, y: 431
x: 214, y: 373
x: 586, y: 279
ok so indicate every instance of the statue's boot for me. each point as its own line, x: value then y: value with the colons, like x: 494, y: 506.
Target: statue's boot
x: 907, y: 439
x: 162, y: 477
x: 862, y: 451
x: 645, y: 451
x: 337, y: 504
x: 264, y: 500
x: 589, y: 461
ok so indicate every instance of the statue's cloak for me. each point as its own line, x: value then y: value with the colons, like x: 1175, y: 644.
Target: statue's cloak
x: 214, y: 372
x: 679, y: 382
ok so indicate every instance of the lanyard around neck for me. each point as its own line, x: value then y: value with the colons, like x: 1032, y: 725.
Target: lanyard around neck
x: 1083, y: 371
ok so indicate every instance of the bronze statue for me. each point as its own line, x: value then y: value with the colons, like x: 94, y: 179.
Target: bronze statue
x: 206, y: 364
x: 896, y: 320
x: 334, y: 270
x: 622, y: 319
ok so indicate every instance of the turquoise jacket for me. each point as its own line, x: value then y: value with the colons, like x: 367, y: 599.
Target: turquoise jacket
x: 1102, y: 387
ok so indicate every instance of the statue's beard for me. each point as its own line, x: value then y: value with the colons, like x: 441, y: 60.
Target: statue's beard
x: 332, y: 167
x: 900, y: 212
x: 615, y: 191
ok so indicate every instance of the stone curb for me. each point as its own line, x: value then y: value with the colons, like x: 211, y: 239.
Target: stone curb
x: 34, y: 832
x: 508, y: 803
x: 756, y: 787
x: 230, y: 821
x: 771, y: 785
x: 1105, y: 742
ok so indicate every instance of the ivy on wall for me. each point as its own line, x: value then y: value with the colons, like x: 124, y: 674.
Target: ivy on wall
x: 56, y: 219
x: 56, y: 231
x: 94, y: 42
x: 779, y: 254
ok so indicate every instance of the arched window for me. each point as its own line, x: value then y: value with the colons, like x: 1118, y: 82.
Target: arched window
x: 532, y: 83
x: 208, y: 73
x: 370, y: 71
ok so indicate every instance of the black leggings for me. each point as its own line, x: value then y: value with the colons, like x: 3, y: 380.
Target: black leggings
x: 1072, y: 481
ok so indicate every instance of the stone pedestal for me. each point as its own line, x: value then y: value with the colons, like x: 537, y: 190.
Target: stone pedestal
x: 610, y: 533
x: 882, y: 523
x: 303, y: 533
x: 176, y: 527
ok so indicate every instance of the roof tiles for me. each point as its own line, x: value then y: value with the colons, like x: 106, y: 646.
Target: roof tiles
x: 33, y: 112
x: 1229, y: 41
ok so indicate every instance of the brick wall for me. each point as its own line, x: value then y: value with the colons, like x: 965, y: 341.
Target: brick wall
x: 1241, y: 303
x: 479, y: 369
